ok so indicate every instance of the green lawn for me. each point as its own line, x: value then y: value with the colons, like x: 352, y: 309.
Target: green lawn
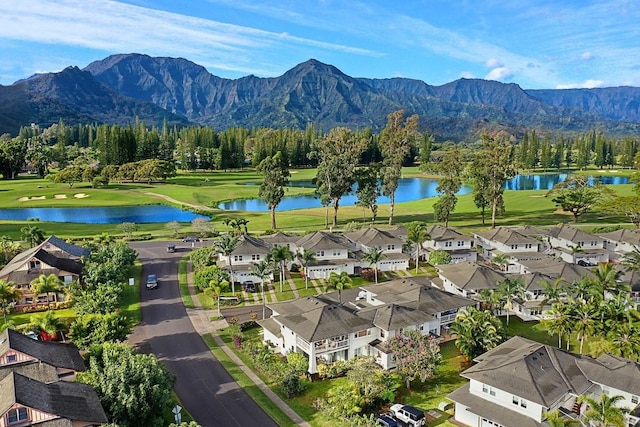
x: 184, y: 286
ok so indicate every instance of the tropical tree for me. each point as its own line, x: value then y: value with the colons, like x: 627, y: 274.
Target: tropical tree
x: 396, y: 141
x: 604, y: 412
x: 275, y: 178
x: 416, y: 235
x: 262, y: 270
x: 44, y: 284
x: 501, y: 259
x: 216, y: 290
x: 449, y: 183
x: 490, y: 300
x: 492, y: 168
x: 557, y: 419
x: 202, y: 226
x: 32, y: 235
x: 8, y: 293
x: 280, y: 255
x: 477, y: 331
x: 339, y: 154
x: 552, y: 291
x: 46, y: 323
x: 339, y: 282
x: 416, y: 355
x: 134, y: 389
x: 104, y: 239
x: 306, y: 257
x: 628, y: 206
x: 607, y: 278
x: 631, y: 260
x: 225, y: 245
x: 508, y: 290
x: 128, y: 228
x: 558, y: 323
x: 373, y: 256
x: 95, y: 329
x: 439, y: 257
x: 577, y: 195
x: 625, y: 340
x: 583, y: 320
x: 368, y: 190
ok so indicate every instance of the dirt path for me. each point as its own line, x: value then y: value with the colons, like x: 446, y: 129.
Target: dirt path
x: 178, y: 202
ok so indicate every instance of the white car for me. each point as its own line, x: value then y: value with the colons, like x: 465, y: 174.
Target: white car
x: 408, y: 414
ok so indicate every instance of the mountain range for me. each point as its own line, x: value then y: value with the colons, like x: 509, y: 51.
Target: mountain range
x: 121, y: 87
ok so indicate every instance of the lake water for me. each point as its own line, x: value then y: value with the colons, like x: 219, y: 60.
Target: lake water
x: 102, y: 215
x: 409, y: 189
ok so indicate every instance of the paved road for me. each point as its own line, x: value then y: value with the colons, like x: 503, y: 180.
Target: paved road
x: 204, y: 387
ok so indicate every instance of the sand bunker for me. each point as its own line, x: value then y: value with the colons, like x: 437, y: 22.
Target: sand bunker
x: 60, y: 196
x: 80, y: 195
x: 26, y: 199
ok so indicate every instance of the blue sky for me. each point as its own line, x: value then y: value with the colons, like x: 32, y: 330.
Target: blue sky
x: 534, y: 43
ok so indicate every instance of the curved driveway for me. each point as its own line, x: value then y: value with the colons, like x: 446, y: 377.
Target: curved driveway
x: 203, y: 386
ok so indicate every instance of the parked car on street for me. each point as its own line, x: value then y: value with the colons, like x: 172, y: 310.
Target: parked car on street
x: 152, y: 281
x: 190, y: 239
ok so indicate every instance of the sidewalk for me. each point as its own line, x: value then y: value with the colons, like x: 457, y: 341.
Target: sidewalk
x: 201, y: 323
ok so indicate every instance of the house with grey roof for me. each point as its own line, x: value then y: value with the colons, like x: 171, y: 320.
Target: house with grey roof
x: 27, y: 401
x: 467, y: 279
x: 517, y: 383
x: 504, y: 240
x: 279, y: 239
x: 458, y: 245
x: 577, y: 246
x: 53, y: 256
x: 326, y: 330
x: 365, y: 239
x: 250, y: 251
x: 621, y: 241
x: 333, y: 253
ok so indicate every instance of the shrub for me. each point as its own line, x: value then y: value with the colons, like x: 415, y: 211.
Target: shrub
x: 292, y: 384
x: 295, y: 268
x: 368, y: 274
x: 352, y: 226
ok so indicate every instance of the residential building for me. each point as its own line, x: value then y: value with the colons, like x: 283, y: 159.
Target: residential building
x: 332, y: 254
x: 458, y: 245
x: 621, y: 241
x: 279, y: 239
x: 366, y: 239
x: 250, y: 251
x: 53, y: 256
x: 517, y: 383
x: 503, y: 240
x: 576, y: 246
x: 467, y: 279
x: 326, y: 330
x: 35, y: 379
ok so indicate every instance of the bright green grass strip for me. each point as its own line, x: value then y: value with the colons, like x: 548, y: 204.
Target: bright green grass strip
x: 131, y: 295
x: 184, y: 286
x: 249, y: 386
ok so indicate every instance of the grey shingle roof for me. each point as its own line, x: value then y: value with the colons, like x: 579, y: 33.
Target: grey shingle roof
x: 491, y: 411
x: 42, y: 372
x: 624, y: 235
x: 392, y: 317
x: 251, y: 245
x: 615, y: 372
x: 506, y: 236
x: 440, y: 233
x: 471, y: 276
x: 573, y: 234
x: 320, y: 240
x: 73, y: 401
x: 536, y: 372
x: 556, y: 268
x: 373, y: 237
x: 430, y: 299
x: 60, y: 355
x: 280, y: 238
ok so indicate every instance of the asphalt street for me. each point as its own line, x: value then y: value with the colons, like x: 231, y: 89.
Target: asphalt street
x: 203, y: 386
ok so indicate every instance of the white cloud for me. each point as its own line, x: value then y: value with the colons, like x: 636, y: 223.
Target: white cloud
x: 493, y: 63
x: 500, y: 73
x: 467, y: 75
x: 588, y: 84
x: 586, y: 56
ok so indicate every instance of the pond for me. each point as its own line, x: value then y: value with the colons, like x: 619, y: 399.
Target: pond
x: 102, y: 215
x: 409, y: 189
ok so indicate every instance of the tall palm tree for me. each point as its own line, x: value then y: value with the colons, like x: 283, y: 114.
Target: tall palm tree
x: 8, y: 293
x: 477, y: 331
x: 263, y: 271
x: 47, y: 323
x: 215, y: 290
x: 607, y: 278
x: 490, y: 299
x: 584, y: 290
x: 583, y: 320
x: 373, y: 256
x: 306, y: 257
x: 225, y: 245
x: 558, y: 323
x: 604, y: 412
x: 242, y: 225
x: 416, y: 235
x: 631, y: 260
x: 626, y: 341
x: 339, y: 282
x: 575, y: 250
x: 508, y: 290
x: 44, y: 284
x: 501, y: 260
x: 32, y: 235
x: 280, y: 256
x: 553, y: 292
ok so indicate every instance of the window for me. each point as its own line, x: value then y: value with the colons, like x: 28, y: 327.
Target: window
x: 336, y: 252
x: 528, y: 246
x: 255, y: 257
x: 17, y: 415
x: 363, y: 333
x: 448, y: 244
x: 514, y: 246
x: 382, y: 334
x: 523, y: 403
x: 237, y: 257
x: 488, y: 389
x: 391, y: 247
x: 460, y: 243
x: 12, y: 358
x: 634, y: 400
x: 34, y: 265
x: 319, y: 253
x: 515, y: 400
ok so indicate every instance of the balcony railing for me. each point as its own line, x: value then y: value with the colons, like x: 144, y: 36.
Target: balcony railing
x: 330, y: 345
x: 447, y: 318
